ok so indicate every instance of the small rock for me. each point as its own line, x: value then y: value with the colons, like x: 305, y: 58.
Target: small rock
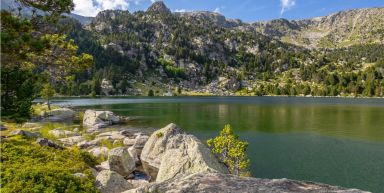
x: 121, y: 161
x: 138, y: 183
x: 30, y: 125
x: 99, y: 151
x: 25, y: 133
x: 111, y: 182
x: 126, y: 133
x: 61, y: 133
x: 128, y: 141
x: 47, y: 142
x: 113, y: 135
x: 72, y: 140
x: 80, y: 175
x: 3, y: 128
x: 140, y: 141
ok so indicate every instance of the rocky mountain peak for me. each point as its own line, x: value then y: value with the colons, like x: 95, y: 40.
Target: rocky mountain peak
x: 158, y: 7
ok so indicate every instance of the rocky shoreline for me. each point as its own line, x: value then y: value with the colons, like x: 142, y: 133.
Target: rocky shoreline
x: 166, y: 160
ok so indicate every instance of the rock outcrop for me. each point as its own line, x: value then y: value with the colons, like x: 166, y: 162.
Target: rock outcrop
x: 99, y: 119
x: 111, y: 182
x: 158, y: 7
x: 225, y: 183
x: 174, y: 153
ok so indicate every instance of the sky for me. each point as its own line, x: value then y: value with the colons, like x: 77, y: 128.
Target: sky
x: 246, y: 10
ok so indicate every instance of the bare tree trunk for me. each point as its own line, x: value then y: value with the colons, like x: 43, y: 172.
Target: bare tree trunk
x: 49, y: 105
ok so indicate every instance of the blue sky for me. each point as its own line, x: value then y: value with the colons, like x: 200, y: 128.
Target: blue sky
x: 246, y: 10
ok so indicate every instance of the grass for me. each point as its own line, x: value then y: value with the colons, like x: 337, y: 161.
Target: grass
x: 29, y: 167
x: 38, y: 109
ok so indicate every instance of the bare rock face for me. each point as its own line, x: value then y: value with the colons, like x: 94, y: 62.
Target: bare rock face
x: 121, y: 161
x: 174, y: 153
x: 155, y: 147
x: 99, y: 119
x: 111, y: 182
x: 225, y: 183
x: 158, y: 7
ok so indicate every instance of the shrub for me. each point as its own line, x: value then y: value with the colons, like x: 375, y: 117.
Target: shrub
x: 28, y: 167
x: 231, y: 150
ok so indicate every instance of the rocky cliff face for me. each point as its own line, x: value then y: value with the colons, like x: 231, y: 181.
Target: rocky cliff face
x: 345, y: 28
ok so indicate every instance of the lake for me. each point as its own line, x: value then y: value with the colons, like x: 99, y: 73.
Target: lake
x: 338, y: 141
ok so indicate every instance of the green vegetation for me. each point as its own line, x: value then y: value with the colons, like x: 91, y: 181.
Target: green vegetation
x: 28, y: 167
x: 33, y: 55
x: 231, y: 150
x: 47, y: 93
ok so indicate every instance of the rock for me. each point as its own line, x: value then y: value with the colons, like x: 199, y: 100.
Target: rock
x: 133, y: 153
x: 126, y: 133
x: 30, y: 125
x: 128, y: 141
x: 80, y: 175
x: 225, y: 183
x: 138, y: 183
x: 186, y: 154
x: 47, y: 142
x: 111, y: 182
x: 61, y: 114
x: 70, y: 141
x: 140, y: 141
x: 175, y: 153
x: 99, y: 151
x: 3, y: 128
x: 25, y: 133
x: 120, y: 161
x: 112, y: 135
x: 61, y: 133
x: 99, y: 119
x: 154, y: 149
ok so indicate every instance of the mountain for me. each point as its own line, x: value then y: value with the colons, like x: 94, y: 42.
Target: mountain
x: 164, y: 53
x: 13, y: 5
x: 345, y: 28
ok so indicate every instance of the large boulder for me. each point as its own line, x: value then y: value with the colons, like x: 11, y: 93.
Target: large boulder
x: 99, y: 119
x: 186, y: 154
x: 174, y: 153
x: 111, y: 182
x: 154, y: 149
x: 121, y: 161
x: 225, y: 183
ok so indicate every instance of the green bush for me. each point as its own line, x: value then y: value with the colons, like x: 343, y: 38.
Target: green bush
x: 28, y: 167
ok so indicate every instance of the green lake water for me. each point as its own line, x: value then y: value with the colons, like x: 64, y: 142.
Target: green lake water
x: 331, y: 140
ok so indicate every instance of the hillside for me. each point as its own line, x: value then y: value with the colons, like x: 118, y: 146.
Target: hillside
x: 163, y: 53
x: 345, y: 28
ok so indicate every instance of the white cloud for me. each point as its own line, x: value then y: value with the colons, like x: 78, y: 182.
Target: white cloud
x: 180, y: 10
x: 286, y: 5
x: 92, y: 7
x: 217, y: 10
